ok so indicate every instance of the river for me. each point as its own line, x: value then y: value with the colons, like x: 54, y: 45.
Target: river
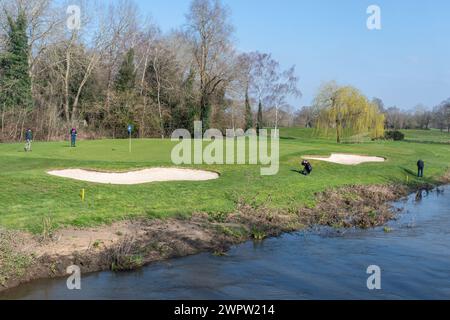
x: 414, y: 257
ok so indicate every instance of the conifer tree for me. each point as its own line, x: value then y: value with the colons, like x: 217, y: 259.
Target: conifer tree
x: 259, y: 122
x: 126, y: 77
x: 248, y: 112
x: 15, y: 81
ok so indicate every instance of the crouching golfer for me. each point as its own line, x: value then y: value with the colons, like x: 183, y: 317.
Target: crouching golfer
x: 307, y: 168
x: 28, y: 139
x: 420, y: 167
x: 73, y: 137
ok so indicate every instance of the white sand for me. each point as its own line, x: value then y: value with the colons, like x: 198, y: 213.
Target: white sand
x: 347, y: 159
x: 136, y: 177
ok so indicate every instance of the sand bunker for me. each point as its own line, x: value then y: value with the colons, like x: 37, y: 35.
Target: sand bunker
x: 347, y: 159
x: 136, y: 177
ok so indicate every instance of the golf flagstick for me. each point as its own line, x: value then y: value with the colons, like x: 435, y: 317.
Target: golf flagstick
x: 130, y: 129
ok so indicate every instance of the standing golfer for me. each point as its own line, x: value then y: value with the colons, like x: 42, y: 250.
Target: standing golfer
x: 73, y: 137
x: 420, y: 167
x: 28, y: 139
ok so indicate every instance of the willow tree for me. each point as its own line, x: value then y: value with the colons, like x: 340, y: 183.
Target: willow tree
x: 347, y: 112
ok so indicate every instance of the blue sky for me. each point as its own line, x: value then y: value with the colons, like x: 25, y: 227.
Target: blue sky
x: 405, y: 63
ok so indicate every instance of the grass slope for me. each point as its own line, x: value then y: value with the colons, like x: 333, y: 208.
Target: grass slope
x: 28, y: 195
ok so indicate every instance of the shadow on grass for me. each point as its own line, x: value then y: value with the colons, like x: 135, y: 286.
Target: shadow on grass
x: 409, y: 172
x: 288, y: 138
x: 301, y: 172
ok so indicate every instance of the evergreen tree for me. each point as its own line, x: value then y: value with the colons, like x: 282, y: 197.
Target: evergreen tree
x: 15, y: 81
x: 126, y: 77
x: 205, y: 110
x: 259, y: 122
x: 186, y: 112
x: 248, y: 112
x: 191, y: 105
x: 125, y: 84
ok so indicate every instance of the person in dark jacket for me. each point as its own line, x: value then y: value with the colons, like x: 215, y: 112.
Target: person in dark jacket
x: 420, y: 167
x: 28, y: 139
x: 307, y: 168
x: 73, y: 137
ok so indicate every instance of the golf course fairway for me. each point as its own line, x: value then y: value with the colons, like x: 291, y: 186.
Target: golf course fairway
x: 29, y: 195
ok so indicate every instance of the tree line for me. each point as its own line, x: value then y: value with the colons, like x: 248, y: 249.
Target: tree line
x: 394, y: 118
x: 118, y: 68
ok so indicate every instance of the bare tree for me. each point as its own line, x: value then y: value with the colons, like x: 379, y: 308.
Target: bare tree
x: 144, y: 45
x: 159, y: 64
x: 122, y: 33
x: 396, y: 118
x: 263, y: 75
x: 210, y: 34
x: 95, y: 40
x: 442, y: 113
x: 306, y: 117
x: 284, y: 85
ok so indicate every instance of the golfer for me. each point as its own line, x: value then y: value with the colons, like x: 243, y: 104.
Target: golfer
x: 73, y: 137
x: 420, y: 167
x: 307, y: 168
x: 28, y: 139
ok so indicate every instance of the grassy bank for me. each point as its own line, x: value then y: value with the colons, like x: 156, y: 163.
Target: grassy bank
x: 34, y: 201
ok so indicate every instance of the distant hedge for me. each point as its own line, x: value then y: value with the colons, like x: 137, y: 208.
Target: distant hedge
x: 394, y: 135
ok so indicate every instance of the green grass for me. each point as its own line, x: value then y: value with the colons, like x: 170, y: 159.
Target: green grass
x: 301, y: 134
x: 30, y: 197
x: 429, y: 136
x: 320, y: 135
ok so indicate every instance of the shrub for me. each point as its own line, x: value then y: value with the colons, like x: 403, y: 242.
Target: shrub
x: 394, y: 135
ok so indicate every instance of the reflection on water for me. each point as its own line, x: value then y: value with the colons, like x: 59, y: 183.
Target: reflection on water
x: 414, y: 258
